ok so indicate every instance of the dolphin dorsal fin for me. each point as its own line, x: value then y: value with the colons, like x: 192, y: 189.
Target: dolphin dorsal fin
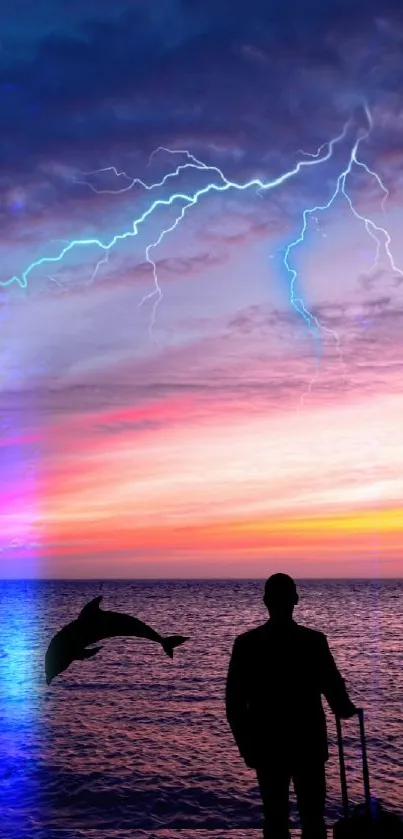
x: 91, y: 607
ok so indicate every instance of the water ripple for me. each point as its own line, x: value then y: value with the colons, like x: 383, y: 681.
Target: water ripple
x: 130, y: 743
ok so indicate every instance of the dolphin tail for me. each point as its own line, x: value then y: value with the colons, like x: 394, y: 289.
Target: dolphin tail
x: 88, y: 653
x: 172, y: 641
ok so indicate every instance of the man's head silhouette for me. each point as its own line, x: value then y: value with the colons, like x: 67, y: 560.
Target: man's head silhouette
x: 280, y: 596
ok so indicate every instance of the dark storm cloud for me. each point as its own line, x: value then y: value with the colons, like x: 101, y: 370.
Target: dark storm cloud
x: 84, y: 85
x: 85, y: 75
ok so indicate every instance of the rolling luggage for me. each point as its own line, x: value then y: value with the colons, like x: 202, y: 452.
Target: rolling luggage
x: 370, y: 820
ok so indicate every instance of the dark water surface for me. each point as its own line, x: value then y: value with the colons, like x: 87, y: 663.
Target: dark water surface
x: 130, y: 743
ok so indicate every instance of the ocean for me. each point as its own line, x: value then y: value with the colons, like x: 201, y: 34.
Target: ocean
x: 132, y: 744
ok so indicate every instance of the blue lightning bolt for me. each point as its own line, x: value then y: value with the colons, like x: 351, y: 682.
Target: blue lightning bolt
x: 55, y: 280
x: 157, y: 292
x: 223, y: 185
x: 188, y: 200
x: 372, y: 229
x: 103, y: 261
x: 370, y: 226
x: 194, y: 163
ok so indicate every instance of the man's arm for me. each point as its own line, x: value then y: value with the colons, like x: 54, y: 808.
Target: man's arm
x: 334, y: 687
x: 236, y: 702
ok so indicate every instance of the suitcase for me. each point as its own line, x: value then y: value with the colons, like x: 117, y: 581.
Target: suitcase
x: 370, y: 820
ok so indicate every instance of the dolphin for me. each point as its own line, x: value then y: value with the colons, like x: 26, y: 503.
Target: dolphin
x: 94, y: 624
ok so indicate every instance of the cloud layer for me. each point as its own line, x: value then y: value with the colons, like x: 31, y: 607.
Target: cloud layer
x: 214, y: 435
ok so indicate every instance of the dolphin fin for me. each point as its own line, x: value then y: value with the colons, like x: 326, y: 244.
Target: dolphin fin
x: 88, y: 653
x: 171, y: 641
x: 91, y: 608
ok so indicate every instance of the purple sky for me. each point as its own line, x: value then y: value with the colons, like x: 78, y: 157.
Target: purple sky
x: 133, y: 451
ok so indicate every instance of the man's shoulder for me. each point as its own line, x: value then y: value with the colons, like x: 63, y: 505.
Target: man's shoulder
x: 311, y: 637
x: 262, y: 633
x: 251, y: 636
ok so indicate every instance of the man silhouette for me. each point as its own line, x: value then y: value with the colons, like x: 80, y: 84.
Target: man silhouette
x: 276, y: 676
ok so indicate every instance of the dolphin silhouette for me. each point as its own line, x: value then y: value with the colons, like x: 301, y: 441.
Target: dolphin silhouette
x: 94, y: 624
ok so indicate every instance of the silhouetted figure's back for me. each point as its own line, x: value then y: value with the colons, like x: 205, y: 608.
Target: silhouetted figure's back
x: 276, y: 677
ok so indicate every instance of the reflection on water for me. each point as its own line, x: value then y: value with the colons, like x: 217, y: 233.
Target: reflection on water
x: 131, y: 742
x: 18, y: 701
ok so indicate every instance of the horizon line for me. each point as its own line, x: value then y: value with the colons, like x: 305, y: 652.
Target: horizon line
x: 188, y: 579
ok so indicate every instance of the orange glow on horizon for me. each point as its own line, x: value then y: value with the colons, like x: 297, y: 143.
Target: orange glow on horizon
x: 317, y: 486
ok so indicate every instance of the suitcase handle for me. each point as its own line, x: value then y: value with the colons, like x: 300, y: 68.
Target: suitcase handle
x: 343, y: 779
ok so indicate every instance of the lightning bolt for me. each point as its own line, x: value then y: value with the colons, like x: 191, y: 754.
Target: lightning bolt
x: 55, y: 280
x: 193, y: 163
x: 372, y: 229
x: 222, y: 184
x: 370, y: 226
x: 157, y: 293
x: 188, y: 200
x: 103, y: 261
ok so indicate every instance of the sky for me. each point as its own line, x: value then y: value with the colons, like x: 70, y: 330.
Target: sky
x: 212, y: 401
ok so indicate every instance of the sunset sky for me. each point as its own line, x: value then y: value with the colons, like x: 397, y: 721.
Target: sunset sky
x: 232, y: 437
